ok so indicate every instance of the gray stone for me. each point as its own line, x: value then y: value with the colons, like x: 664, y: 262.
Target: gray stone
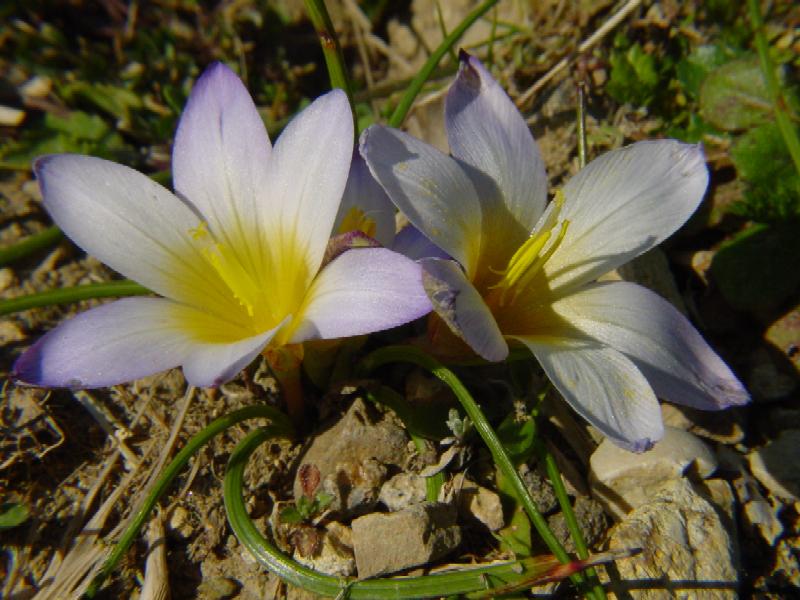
x: 403, y: 490
x: 591, y: 518
x: 765, y: 518
x: 760, y: 515
x: 776, y: 466
x: 386, y: 543
x: 351, y: 455
x: 686, y: 550
x: 539, y: 488
x: 767, y: 381
x: 623, y: 480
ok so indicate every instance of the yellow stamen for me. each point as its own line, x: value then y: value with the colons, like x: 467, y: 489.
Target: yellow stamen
x: 228, y: 267
x: 357, y: 220
x: 531, y: 256
x: 234, y: 275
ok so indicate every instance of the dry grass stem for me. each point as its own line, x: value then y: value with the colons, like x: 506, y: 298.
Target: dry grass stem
x: 585, y: 45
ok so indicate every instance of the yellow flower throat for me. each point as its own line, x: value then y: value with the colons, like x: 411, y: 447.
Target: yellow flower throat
x: 266, y: 285
x: 357, y: 220
x: 530, y: 257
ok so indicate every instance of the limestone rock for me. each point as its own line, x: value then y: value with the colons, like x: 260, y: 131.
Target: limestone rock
x: 764, y: 517
x: 402, y: 491
x: 623, y: 480
x: 334, y: 554
x: 686, y: 550
x: 477, y: 503
x: 775, y: 465
x: 724, y: 426
x: 351, y: 455
x: 386, y: 543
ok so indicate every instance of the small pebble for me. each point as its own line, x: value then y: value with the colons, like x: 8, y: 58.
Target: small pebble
x: 6, y: 279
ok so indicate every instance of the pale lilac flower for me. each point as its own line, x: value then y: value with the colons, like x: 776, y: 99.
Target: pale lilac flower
x: 365, y: 208
x: 527, y: 270
x: 236, y: 253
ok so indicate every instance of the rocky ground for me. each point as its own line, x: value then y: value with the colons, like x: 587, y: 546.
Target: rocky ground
x: 714, y: 507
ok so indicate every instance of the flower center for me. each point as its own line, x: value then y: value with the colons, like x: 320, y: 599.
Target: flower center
x: 228, y: 267
x: 530, y: 257
x: 357, y: 220
x: 266, y: 283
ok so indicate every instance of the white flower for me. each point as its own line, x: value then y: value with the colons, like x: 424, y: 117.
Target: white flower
x: 527, y: 270
x: 236, y: 253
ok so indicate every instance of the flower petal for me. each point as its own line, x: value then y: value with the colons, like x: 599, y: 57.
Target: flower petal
x: 113, y: 343
x: 486, y: 131
x: 461, y: 306
x: 132, y: 224
x: 307, y: 175
x: 362, y: 291
x: 410, y: 242
x: 219, y: 161
x: 669, y: 351
x: 604, y: 387
x: 365, y: 194
x: 211, y: 365
x: 624, y: 203
x: 430, y: 188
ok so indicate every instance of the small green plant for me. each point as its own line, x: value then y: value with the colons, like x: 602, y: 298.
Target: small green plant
x: 310, y: 504
x: 635, y: 74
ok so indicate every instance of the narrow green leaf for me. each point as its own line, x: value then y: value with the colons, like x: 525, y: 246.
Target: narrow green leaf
x: 13, y: 514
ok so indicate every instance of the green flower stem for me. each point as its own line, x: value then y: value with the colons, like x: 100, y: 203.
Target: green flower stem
x: 280, y: 424
x: 31, y: 244
x: 554, y: 474
x: 782, y: 117
x: 469, y: 581
x: 416, y: 356
x: 73, y: 294
x: 332, y: 51
x: 430, y: 65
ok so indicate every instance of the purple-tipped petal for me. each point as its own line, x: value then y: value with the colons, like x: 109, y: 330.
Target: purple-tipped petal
x: 486, y: 131
x: 365, y: 194
x: 676, y: 360
x: 219, y: 161
x: 362, y: 291
x: 604, y: 387
x: 107, y: 345
x: 624, y: 203
x: 430, y: 188
x: 461, y: 306
x: 412, y: 243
